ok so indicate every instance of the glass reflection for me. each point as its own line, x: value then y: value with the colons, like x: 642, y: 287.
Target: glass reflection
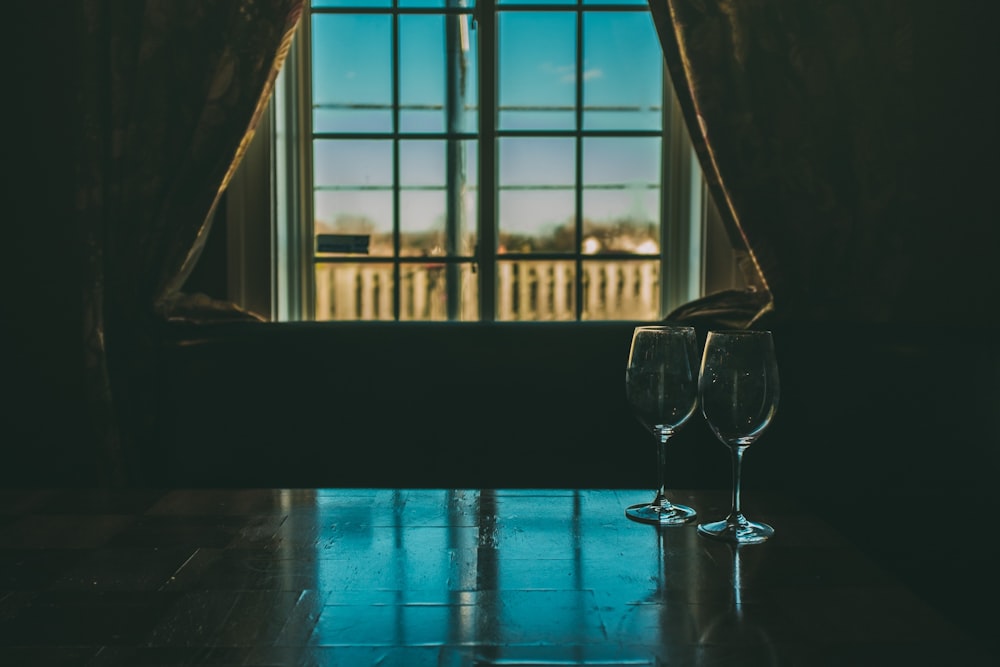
x: 736, y: 626
x: 489, y: 576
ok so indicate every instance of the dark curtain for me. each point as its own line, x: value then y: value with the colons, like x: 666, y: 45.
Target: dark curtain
x: 850, y: 146
x: 169, y: 93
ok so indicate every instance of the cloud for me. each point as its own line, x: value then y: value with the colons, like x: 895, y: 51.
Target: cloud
x: 567, y: 73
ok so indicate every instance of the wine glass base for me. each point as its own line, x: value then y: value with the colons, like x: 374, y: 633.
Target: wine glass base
x: 737, y: 532
x: 671, y: 515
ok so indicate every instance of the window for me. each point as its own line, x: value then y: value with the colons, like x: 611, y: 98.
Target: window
x: 508, y: 160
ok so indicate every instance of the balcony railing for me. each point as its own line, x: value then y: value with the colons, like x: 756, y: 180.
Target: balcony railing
x: 536, y: 290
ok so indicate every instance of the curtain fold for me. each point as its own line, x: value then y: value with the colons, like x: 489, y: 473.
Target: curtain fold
x: 170, y: 92
x: 847, y: 144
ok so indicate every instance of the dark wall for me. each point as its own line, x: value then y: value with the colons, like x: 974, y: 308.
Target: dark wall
x: 413, y: 404
x: 871, y: 408
x: 45, y: 424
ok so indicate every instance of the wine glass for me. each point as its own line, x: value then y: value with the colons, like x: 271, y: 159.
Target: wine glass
x: 738, y: 392
x: 661, y: 383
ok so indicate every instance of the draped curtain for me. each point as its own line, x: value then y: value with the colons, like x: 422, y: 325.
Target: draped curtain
x: 849, y: 146
x: 169, y: 94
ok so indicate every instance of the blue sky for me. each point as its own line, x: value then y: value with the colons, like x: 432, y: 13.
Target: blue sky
x: 621, y: 67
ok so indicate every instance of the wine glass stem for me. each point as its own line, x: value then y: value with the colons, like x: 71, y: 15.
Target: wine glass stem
x: 662, y: 435
x: 737, y: 511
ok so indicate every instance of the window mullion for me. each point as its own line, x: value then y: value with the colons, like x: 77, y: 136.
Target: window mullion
x: 578, y: 165
x: 455, y: 176
x: 486, y: 15
x: 397, y: 273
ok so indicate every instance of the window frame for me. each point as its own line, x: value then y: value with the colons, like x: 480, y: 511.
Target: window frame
x: 269, y: 202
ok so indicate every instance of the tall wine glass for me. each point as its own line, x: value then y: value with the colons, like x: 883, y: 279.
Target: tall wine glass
x: 738, y: 391
x: 661, y: 383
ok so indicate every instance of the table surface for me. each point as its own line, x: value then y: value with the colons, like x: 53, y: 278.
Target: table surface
x: 440, y: 577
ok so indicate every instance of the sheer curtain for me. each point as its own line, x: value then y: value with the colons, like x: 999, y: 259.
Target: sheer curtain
x: 849, y: 144
x: 169, y: 93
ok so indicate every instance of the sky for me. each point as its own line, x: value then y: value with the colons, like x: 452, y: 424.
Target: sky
x: 621, y: 67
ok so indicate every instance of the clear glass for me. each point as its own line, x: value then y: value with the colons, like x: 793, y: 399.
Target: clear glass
x: 422, y: 72
x: 621, y: 194
x: 537, y: 201
x: 422, y: 198
x: 351, y: 3
x: 536, y: 71
x: 352, y: 191
x: 352, y: 73
x: 622, y: 78
x: 738, y: 390
x: 661, y: 383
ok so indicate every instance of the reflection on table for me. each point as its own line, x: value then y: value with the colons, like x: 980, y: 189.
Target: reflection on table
x: 439, y: 577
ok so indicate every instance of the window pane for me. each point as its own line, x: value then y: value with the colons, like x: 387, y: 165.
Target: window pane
x: 469, y: 188
x: 361, y: 162
x: 537, y: 205
x: 623, y: 80
x: 621, y: 196
x: 352, y: 3
x: 537, y: 221
x: 621, y: 290
x: 352, y: 73
x: 621, y: 221
x: 424, y: 291
x: 357, y: 213
x: 536, y: 290
x: 353, y: 190
x: 537, y: 2
x: 621, y: 160
x: 640, y: 3
x: 421, y: 74
x: 423, y: 202
x: 422, y: 162
x: 354, y: 291
x: 537, y: 161
x: 422, y: 3
x: 537, y: 70
x: 422, y: 222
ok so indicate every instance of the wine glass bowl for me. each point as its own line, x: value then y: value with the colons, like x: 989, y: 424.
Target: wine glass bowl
x: 738, y: 390
x: 661, y: 385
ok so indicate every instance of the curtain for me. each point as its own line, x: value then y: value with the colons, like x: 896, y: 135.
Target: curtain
x: 849, y: 146
x: 169, y: 94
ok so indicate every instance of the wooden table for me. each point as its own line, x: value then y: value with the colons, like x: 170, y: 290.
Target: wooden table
x: 439, y: 577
